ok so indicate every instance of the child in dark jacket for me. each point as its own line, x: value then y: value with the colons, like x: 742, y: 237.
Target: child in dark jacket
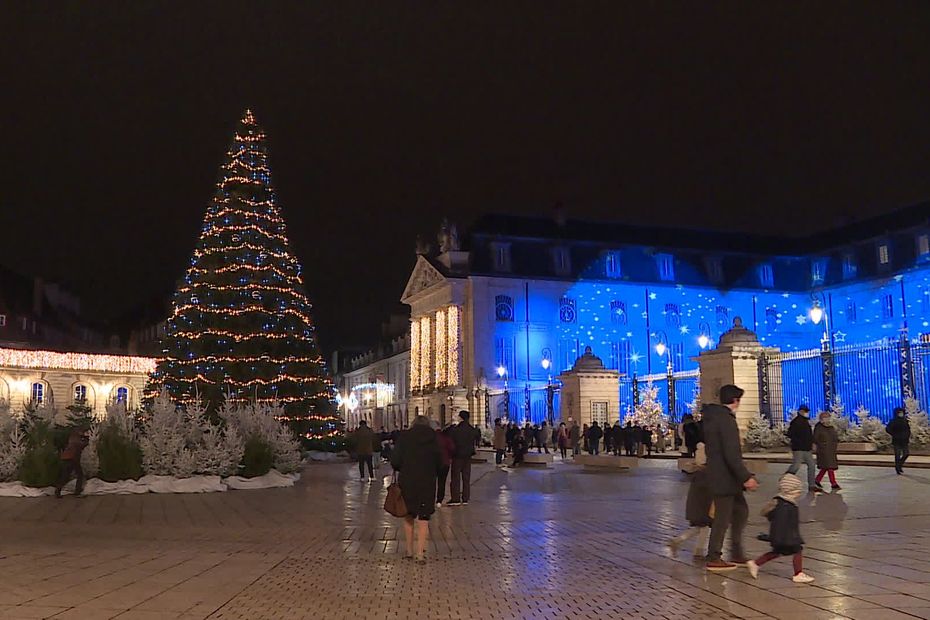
x: 785, y: 529
x: 698, y: 508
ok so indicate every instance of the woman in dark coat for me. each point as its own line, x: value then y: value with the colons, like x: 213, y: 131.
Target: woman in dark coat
x: 826, y: 440
x: 418, y: 460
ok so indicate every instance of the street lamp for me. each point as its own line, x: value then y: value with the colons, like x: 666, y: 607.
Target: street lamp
x: 704, y: 338
x: 662, y: 344
x: 547, y: 364
x: 817, y: 314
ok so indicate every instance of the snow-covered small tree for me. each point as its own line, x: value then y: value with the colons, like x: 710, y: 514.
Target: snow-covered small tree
x: 694, y: 407
x: 920, y: 424
x: 760, y: 435
x: 90, y: 462
x: 846, y: 429
x: 12, y: 444
x: 216, y: 450
x: 872, y: 429
x: 648, y: 413
x: 164, y: 440
x: 261, y: 421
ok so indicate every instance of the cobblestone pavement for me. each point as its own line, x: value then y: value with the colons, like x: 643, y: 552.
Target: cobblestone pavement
x: 534, y: 543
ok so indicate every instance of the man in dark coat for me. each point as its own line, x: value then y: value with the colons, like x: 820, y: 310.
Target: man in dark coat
x: 594, y: 438
x: 629, y: 439
x: 802, y: 445
x: 727, y: 477
x: 464, y: 436
x: 364, y: 448
x: 900, y: 431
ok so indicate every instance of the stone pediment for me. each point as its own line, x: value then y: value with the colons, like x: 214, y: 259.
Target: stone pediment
x: 424, y: 277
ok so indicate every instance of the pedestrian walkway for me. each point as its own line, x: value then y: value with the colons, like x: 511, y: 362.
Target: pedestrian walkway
x: 918, y: 461
x: 553, y: 543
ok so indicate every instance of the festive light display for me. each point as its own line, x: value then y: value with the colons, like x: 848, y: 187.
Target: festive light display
x: 453, y: 344
x: 123, y: 364
x: 426, y: 352
x: 440, y: 346
x: 416, y: 381
x: 241, y: 326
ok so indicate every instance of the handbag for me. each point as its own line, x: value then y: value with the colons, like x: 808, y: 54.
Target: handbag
x: 394, y: 502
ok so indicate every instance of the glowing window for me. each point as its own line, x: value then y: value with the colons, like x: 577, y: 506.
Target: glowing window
x: 38, y: 392
x: 122, y: 395
x: 612, y: 265
x: 666, y: 266
x: 503, y: 308
x: 884, y: 256
x: 766, y: 276
x: 80, y: 393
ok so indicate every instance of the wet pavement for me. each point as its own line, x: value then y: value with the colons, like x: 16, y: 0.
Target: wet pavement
x: 533, y: 543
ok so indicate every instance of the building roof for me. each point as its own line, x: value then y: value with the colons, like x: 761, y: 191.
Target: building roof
x: 605, y: 232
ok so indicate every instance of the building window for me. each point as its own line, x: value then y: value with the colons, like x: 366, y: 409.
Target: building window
x: 503, y: 308
x: 923, y: 246
x: 618, y: 312
x: 851, y: 312
x: 666, y: 266
x: 672, y: 315
x: 38, y: 393
x: 818, y: 271
x: 561, y: 261
x: 723, y: 318
x: 503, y: 355
x: 887, y: 307
x: 2, y: 320
x: 567, y: 310
x: 766, y: 276
x: 501, y: 256
x: 80, y: 393
x: 620, y: 356
x: 612, y: 264
x: 714, y: 266
x: 884, y: 256
x: 849, y: 266
x: 599, y: 412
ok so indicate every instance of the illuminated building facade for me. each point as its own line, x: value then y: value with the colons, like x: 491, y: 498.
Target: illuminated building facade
x: 529, y: 294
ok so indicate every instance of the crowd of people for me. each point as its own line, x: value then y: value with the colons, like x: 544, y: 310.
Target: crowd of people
x: 425, y: 455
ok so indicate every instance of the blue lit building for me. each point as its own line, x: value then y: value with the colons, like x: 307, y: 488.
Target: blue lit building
x: 496, y: 316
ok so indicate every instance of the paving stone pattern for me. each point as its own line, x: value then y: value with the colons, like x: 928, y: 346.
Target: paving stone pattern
x: 533, y: 543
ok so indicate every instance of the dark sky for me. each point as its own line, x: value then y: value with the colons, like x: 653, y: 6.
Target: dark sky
x: 384, y: 116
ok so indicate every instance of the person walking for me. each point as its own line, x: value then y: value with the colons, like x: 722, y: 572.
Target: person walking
x: 562, y: 440
x: 802, y: 443
x: 697, y: 507
x: 647, y: 439
x: 512, y: 432
x: 446, y: 450
x: 464, y: 436
x: 594, y: 438
x: 574, y: 439
x: 785, y: 529
x: 616, y: 437
x: 660, y: 439
x: 728, y: 478
x: 519, y: 450
x: 629, y: 439
x: 900, y: 430
x: 638, y: 439
x: 691, y: 432
x: 529, y: 434
x: 543, y: 438
x: 826, y: 440
x: 71, y: 461
x: 364, y: 448
x: 499, y: 442
x: 418, y: 459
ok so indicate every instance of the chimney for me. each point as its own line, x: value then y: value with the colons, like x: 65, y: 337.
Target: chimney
x: 558, y: 213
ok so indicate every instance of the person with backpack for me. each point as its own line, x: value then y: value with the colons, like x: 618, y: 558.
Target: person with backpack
x: 900, y: 430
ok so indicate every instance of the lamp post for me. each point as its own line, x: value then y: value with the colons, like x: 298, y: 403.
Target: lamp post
x: 820, y: 312
x: 547, y: 365
x: 502, y: 374
x: 662, y: 349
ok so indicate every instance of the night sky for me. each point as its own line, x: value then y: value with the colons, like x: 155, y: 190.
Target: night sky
x: 383, y: 117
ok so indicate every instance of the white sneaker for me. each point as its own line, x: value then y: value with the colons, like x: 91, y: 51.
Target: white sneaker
x: 802, y: 578
x: 753, y: 568
x: 363, y: 479
x: 438, y: 504
x: 454, y: 504
x: 464, y: 503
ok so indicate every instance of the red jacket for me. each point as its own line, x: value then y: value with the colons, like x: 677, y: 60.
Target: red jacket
x: 446, y: 448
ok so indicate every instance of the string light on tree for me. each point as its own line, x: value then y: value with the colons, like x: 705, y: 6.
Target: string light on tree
x: 241, y: 327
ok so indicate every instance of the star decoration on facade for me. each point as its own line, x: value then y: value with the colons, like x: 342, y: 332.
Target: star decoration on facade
x: 652, y: 295
x: 684, y: 329
x: 839, y: 336
x: 801, y: 319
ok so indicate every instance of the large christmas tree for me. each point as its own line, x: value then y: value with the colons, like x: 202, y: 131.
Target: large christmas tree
x: 241, y: 326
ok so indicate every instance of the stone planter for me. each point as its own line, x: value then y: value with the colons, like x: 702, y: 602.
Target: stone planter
x: 856, y: 447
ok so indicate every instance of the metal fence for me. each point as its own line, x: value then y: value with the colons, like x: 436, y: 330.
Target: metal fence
x: 877, y: 376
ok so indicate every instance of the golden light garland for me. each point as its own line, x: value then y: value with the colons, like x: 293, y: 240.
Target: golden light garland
x: 415, y: 380
x: 242, y: 246
x: 180, y: 309
x: 239, y: 266
x: 239, y: 337
x: 257, y: 381
x: 246, y: 287
x: 425, y: 351
x: 453, y: 343
x: 218, y: 230
x: 126, y: 364
x: 213, y: 359
x: 440, y: 345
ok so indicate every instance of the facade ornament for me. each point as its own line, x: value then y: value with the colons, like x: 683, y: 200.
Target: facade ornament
x: 448, y: 237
